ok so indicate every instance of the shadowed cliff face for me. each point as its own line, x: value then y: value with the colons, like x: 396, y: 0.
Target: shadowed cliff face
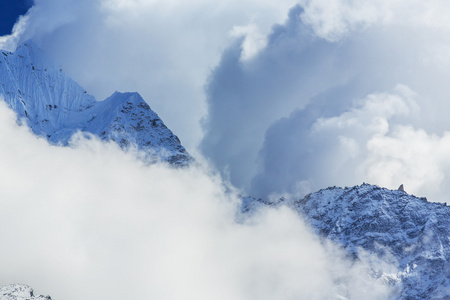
x: 399, y: 228
x: 56, y: 107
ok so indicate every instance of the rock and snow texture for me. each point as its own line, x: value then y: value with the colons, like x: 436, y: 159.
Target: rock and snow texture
x: 19, y: 292
x: 56, y: 107
x: 405, y: 230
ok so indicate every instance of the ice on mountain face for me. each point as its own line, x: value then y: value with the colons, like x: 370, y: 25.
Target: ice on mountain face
x: 19, y: 292
x: 56, y: 107
x: 403, y: 229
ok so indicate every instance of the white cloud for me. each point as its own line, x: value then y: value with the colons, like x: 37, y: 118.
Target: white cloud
x: 253, y: 41
x: 336, y: 19
x: 9, y: 42
x: 413, y: 157
x: 90, y: 222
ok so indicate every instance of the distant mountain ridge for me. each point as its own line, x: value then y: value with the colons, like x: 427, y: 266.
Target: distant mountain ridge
x: 387, y: 223
x: 56, y: 107
x: 20, y: 292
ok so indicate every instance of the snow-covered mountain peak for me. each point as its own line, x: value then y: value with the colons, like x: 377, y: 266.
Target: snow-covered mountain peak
x: 406, y: 230
x: 56, y: 107
x: 31, y: 51
x: 20, y: 292
x: 388, y: 223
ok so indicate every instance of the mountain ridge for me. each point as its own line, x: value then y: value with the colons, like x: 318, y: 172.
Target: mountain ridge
x: 20, y: 292
x: 406, y: 230
x: 55, y: 107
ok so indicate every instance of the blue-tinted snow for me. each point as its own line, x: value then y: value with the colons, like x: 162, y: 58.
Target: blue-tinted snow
x: 405, y: 230
x: 56, y: 107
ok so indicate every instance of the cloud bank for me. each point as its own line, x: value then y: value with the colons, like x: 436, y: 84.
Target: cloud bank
x: 344, y: 92
x: 90, y: 221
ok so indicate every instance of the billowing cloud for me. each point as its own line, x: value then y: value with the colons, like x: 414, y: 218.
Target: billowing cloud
x: 90, y: 221
x: 336, y: 83
x: 333, y: 149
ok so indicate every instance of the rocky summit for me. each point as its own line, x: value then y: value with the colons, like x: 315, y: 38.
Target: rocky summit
x: 56, y: 107
x: 409, y: 232
x: 20, y: 292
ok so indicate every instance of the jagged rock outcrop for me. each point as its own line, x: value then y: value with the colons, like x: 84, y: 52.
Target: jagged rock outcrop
x: 410, y: 232
x: 56, y: 107
x: 19, y: 292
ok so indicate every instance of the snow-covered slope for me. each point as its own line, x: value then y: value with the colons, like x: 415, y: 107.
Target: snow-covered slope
x: 19, y: 292
x: 56, y: 107
x: 389, y: 224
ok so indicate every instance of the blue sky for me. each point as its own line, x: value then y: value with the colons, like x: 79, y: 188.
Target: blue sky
x: 10, y: 10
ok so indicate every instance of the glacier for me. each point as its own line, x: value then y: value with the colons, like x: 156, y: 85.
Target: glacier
x: 56, y: 107
x: 407, y: 231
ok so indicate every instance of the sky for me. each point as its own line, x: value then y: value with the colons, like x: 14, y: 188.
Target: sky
x: 275, y: 98
x: 10, y: 10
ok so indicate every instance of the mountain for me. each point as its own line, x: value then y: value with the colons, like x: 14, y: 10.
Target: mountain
x: 19, y: 292
x: 387, y: 223
x: 55, y: 107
